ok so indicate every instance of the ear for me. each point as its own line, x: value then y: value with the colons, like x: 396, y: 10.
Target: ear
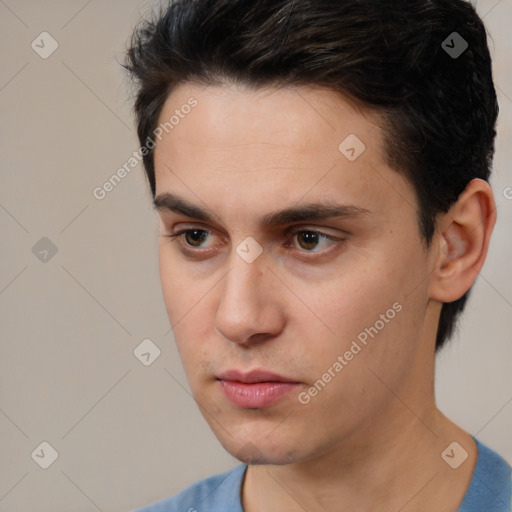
x: 461, y: 242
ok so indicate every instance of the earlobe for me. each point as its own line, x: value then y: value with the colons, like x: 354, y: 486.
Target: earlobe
x: 461, y: 242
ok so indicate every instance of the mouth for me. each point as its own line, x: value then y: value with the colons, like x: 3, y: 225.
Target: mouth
x: 257, y: 389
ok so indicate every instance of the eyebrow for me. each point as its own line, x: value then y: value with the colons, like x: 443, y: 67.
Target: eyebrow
x: 299, y: 213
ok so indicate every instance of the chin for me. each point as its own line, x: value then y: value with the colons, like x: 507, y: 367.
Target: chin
x: 258, y: 449
x: 255, y: 437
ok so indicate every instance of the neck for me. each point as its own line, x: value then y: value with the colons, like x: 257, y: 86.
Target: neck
x: 398, y: 472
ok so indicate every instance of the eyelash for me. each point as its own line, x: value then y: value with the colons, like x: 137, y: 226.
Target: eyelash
x: 191, y: 250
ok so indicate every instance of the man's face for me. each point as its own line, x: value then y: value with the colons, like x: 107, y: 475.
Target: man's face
x: 282, y: 297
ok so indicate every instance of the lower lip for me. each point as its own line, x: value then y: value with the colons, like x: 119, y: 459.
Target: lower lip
x: 257, y: 395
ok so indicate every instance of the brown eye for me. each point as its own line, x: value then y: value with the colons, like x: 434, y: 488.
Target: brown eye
x: 309, y: 240
x: 194, y: 237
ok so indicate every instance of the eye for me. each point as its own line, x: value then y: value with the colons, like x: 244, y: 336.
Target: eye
x: 309, y: 239
x: 193, y: 237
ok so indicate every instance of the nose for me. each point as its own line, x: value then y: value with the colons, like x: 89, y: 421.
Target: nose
x: 249, y: 309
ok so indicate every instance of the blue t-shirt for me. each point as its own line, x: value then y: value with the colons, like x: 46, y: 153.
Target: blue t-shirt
x: 488, y: 491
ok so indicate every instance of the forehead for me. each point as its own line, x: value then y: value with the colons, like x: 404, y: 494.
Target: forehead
x: 303, y: 119
x: 244, y: 149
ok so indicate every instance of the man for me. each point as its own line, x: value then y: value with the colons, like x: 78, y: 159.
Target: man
x: 320, y: 173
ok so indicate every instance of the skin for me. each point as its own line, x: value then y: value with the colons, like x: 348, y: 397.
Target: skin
x: 373, y: 434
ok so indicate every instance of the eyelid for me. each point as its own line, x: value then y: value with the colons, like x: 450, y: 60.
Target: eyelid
x: 179, y: 234
x: 293, y: 229
x: 334, y: 246
x: 290, y: 232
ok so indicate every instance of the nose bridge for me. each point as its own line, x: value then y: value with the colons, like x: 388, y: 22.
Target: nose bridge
x: 245, y: 307
x: 243, y: 282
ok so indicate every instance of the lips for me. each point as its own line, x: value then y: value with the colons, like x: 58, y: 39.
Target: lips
x: 256, y: 389
x: 253, y: 376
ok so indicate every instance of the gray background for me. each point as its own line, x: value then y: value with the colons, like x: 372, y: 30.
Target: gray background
x: 127, y: 434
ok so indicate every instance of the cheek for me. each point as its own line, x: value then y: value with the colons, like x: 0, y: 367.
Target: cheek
x: 181, y: 293
x: 172, y: 286
x: 353, y: 300
x: 190, y: 313
x: 367, y: 312
x: 181, y: 297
